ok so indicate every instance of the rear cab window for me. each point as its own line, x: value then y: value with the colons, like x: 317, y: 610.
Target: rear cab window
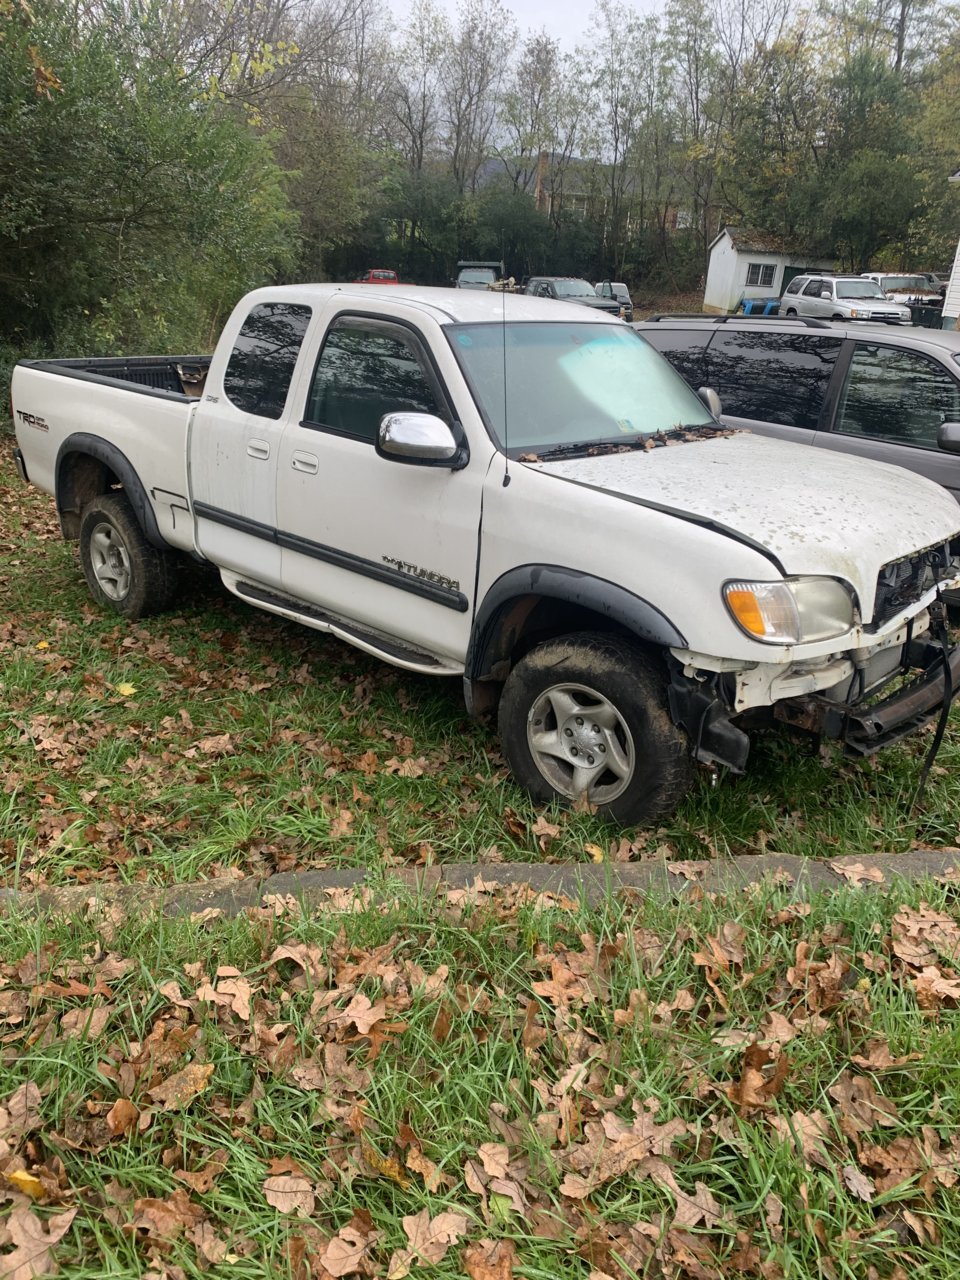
x: 258, y: 374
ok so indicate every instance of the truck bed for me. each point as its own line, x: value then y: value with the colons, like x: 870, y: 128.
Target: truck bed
x: 180, y: 376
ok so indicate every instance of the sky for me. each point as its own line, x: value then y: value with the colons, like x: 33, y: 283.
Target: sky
x: 566, y: 20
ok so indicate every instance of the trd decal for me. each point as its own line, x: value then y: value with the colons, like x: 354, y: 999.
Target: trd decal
x: 31, y: 420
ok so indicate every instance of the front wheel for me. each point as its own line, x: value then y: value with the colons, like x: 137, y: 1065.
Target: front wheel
x: 124, y: 572
x: 585, y: 717
x: 791, y: 311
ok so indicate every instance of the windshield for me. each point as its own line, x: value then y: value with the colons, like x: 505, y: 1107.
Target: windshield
x: 906, y: 282
x: 573, y: 289
x: 479, y: 275
x: 571, y: 384
x: 858, y: 289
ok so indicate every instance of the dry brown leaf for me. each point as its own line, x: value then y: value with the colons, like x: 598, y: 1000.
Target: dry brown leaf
x: 122, y: 1117
x: 700, y: 1207
x: 363, y: 1014
x: 921, y: 938
x: 33, y: 1239
x: 348, y: 1249
x: 933, y: 989
x: 204, y: 1179
x: 879, y: 1058
x: 165, y: 1218
x: 21, y: 1111
x: 861, y: 1107
x: 290, y: 1194
x: 432, y: 1175
x: 761, y: 1079
x: 86, y: 1023
x: 810, y: 1130
x: 490, y: 1260
x: 856, y: 872
x: 858, y: 1182
x: 180, y: 1089
x: 495, y: 1158
x: 429, y: 1239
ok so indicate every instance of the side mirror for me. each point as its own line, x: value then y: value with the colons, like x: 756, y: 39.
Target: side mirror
x: 948, y: 437
x: 422, y: 439
x: 711, y: 400
x: 825, y: 293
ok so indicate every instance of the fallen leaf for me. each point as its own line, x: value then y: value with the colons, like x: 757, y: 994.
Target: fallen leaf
x: 125, y: 690
x: 490, y: 1260
x: 34, y: 1239
x: 26, y: 1182
x: 429, y: 1239
x: 858, y: 1183
x: 122, y: 1117
x: 165, y: 1219
x: 856, y: 872
x: 495, y: 1158
x: 179, y: 1090
x: 290, y: 1194
x: 86, y: 1023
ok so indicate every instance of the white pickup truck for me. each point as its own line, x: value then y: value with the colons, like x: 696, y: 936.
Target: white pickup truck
x: 522, y: 493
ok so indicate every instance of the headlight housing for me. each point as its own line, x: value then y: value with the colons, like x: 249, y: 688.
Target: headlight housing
x: 792, y: 611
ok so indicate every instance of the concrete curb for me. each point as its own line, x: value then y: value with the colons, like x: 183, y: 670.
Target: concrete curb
x: 800, y: 877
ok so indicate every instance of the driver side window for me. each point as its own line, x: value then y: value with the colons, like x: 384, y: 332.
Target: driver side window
x: 365, y: 370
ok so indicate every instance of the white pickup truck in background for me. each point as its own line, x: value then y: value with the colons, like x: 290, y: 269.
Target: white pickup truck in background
x: 522, y: 493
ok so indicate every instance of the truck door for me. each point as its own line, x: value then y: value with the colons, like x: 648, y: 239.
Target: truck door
x: 388, y: 546
x: 235, y: 440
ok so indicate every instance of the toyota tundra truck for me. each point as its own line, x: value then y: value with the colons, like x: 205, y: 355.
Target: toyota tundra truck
x: 523, y: 494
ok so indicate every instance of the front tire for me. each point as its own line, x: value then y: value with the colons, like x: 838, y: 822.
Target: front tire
x: 585, y: 716
x: 124, y: 572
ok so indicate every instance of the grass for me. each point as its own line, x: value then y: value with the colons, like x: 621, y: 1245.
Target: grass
x: 477, y: 1050
x: 220, y: 738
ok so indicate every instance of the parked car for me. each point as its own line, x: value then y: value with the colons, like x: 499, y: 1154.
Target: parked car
x: 937, y: 280
x: 619, y: 292
x: 478, y: 275
x: 906, y: 289
x: 377, y: 275
x: 841, y: 298
x: 625, y: 608
x: 887, y: 393
x: 571, y: 289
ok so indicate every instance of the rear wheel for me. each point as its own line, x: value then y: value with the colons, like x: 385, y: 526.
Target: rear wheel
x: 585, y: 718
x: 123, y: 571
x: 791, y: 311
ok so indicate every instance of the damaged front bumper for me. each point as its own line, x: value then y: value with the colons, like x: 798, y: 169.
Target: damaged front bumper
x: 840, y: 697
x: 867, y: 727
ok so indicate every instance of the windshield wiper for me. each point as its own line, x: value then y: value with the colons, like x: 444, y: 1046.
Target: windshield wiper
x: 680, y: 434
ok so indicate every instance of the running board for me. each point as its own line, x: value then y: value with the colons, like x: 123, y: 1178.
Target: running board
x: 388, y: 649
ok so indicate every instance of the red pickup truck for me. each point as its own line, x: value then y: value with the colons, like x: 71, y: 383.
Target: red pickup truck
x: 377, y: 275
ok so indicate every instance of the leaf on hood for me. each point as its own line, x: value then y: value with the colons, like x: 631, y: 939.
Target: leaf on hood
x: 33, y: 1239
x: 290, y: 1193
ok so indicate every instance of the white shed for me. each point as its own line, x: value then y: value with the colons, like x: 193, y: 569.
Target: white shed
x: 748, y: 264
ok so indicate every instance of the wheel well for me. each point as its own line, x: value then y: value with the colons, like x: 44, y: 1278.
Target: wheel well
x: 81, y: 478
x: 517, y: 627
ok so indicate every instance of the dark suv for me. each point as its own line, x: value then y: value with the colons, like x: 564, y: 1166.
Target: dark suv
x: 570, y: 289
x: 887, y: 393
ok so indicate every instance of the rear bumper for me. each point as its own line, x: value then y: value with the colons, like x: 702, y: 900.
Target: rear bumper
x: 866, y: 728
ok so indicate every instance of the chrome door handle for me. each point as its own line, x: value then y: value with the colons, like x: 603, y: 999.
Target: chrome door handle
x: 258, y: 449
x: 307, y: 462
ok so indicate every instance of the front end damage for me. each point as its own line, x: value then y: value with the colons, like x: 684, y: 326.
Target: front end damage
x: 866, y: 698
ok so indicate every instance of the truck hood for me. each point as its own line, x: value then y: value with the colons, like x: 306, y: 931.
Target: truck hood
x: 818, y: 512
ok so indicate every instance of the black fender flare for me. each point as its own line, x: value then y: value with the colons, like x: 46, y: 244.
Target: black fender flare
x: 570, y: 586
x: 90, y: 446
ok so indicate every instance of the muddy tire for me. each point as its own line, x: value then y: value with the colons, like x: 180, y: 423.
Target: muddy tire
x: 586, y: 716
x: 124, y: 572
